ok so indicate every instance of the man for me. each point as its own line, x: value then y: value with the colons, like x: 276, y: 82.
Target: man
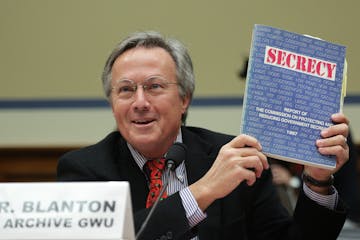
x: 223, y: 190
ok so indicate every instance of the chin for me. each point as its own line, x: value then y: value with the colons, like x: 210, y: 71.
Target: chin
x: 144, y: 140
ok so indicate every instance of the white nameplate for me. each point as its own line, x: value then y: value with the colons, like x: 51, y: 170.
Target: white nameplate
x: 66, y: 210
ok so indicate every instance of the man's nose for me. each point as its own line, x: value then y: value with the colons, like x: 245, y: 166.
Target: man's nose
x: 140, y: 98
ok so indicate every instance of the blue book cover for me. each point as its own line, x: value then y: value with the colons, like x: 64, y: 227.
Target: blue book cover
x: 294, y: 84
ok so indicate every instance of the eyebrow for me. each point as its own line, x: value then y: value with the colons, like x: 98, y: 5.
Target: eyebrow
x: 147, y: 78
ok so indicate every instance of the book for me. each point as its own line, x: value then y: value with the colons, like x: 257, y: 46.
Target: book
x: 294, y: 84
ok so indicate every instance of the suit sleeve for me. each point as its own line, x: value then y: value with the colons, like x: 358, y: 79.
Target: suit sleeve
x: 318, y: 222
x: 270, y: 220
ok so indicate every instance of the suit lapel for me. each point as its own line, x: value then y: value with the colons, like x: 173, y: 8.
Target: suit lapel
x: 131, y: 172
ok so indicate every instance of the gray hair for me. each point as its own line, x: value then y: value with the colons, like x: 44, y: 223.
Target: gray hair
x: 150, y: 39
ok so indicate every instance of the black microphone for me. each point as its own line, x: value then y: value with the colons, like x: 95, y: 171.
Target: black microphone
x: 175, y: 155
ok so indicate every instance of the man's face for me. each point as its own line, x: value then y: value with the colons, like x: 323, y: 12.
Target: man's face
x: 148, y: 121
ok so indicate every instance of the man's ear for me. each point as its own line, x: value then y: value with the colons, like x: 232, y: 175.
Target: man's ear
x: 185, y: 103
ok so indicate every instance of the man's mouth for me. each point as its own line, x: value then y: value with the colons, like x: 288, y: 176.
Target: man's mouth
x: 142, y: 122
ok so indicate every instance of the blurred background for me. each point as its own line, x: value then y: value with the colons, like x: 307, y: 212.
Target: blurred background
x: 52, y: 53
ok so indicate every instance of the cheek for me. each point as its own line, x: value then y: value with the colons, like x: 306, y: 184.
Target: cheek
x: 119, y: 111
x: 174, y: 110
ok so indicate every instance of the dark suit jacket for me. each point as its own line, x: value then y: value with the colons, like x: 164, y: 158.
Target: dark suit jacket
x: 247, y: 213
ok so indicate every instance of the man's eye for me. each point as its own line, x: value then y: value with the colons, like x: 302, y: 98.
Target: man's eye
x: 154, y: 86
x: 125, y: 89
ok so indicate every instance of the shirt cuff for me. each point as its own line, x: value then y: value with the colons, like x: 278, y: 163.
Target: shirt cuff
x: 193, y: 213
x: 330, y: 201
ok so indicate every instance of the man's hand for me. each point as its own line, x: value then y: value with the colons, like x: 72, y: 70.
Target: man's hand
x: 239, y: 160
x: 333, y: 142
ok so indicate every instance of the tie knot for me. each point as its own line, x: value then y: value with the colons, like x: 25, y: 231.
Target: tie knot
x: 158, y: 164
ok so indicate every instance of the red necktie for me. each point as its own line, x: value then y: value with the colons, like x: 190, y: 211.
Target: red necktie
x: 156, y: 168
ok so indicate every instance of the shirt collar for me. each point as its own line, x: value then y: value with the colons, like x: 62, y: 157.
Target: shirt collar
x: 141, y: 159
